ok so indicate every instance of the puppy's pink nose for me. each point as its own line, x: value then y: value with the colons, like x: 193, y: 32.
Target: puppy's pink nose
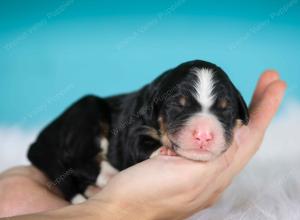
x: 203, y: 138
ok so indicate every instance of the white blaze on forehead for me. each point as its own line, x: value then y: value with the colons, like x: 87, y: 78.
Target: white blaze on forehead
x: 204, y: 86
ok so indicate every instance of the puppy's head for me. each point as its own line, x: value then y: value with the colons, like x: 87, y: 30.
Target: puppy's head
x: 198, y: 108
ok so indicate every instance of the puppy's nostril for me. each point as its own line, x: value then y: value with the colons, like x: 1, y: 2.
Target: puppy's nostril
x: 203, y: 136
x: 209, y: 137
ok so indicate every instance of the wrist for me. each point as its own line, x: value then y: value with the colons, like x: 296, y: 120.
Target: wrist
x: 104, y: 208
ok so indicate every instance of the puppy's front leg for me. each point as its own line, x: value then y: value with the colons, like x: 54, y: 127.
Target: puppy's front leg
x: 107, y: 171
x: 166, y: 151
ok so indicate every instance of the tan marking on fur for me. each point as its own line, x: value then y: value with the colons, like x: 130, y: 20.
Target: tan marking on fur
x: 182, y: 100
x: 104, y: 134
x: 153, y: 133
x: 223, y: 103
x: 165, y: 141
x: 164, y: 134
x: 239, y: 123
x: 100, y: 157
x: 104, y: 129
x: 162, y: 125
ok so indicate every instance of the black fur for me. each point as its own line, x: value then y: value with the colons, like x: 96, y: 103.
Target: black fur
x: 72, y: 141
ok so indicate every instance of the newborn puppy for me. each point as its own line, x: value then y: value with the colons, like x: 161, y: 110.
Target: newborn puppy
x: 191, y: 110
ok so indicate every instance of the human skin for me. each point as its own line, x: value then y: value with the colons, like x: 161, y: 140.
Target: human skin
x: 164, y: 187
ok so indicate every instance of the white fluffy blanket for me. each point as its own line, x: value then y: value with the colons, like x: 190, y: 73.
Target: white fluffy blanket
x: 268, y: 189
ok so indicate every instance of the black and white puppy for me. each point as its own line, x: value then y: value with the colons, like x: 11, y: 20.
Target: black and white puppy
x: 191, y: 109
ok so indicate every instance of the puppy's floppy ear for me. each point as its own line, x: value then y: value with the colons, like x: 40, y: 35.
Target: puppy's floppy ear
x: 243, y: 112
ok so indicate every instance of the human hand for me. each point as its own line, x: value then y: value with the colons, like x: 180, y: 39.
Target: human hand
x: 168, y: 187
x: 24, y: 190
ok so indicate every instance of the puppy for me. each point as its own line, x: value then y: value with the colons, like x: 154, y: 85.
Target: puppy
x: 191, y: 109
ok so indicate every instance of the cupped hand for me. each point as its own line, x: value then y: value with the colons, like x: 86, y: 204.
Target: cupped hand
x: 168, y: 187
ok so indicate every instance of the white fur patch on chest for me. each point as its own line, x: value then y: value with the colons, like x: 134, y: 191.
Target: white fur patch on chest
x: 204, y: 86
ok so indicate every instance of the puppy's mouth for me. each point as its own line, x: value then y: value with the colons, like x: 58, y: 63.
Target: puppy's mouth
x: 193, y: 153
x: 202, y: 138
x: 190, y: 153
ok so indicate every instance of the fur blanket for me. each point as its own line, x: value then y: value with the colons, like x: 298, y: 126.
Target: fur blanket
x: 268, y: 189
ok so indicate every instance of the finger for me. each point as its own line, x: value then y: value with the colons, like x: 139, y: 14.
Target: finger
x: 248, y: 138
x: 243, y: 148
x: 265, y: 79
x: 264, y: 110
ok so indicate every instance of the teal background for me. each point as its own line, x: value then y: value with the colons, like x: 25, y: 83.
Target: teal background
x: 53, y: 52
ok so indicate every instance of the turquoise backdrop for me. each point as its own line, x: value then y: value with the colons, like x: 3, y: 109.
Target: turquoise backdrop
x: 53, y: 52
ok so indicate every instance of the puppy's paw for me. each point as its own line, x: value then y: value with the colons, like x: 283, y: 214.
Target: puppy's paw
x: 77, y: 199
x: 163, y: 151
x: 167, y: 151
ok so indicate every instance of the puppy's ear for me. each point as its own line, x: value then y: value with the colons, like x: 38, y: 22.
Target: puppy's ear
x: 243, y: 112
x: 156, y: 93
